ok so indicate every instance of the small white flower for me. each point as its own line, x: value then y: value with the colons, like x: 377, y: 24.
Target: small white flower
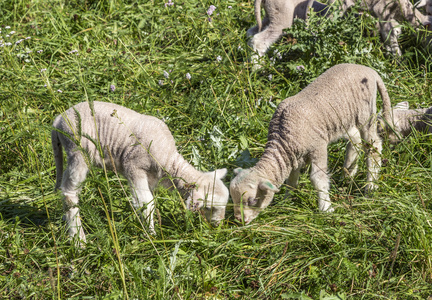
x: 73, y: 51
x: 188, y: 76
x: 19, y: 41
x: 12, y: 32
x: 7, y: 35
x: 165, y: 74
x: 270, y: 77
x: 43, y: 70
x: 8, y: 44
x: 160, y: 82
x: 219, y: 58
x: 60, y: 91
x: 27, y: 38
x: 39, y: 51
x: 7, y: 27
x: 45, y: 85
x: 239, y: 48
x: 229, y: 6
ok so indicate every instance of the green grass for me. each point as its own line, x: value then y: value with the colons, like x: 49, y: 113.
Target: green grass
x: 376, y: 247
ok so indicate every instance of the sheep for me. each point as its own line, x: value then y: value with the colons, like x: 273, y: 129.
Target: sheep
x: 141, y: 148
x: 390, y: 13
x: 279, y: 15
x: 404, y: 120
x: 339, y: 104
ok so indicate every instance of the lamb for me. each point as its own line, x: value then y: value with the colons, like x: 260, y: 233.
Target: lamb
x: 339, y: 103
x: 390, y: 13
x: 279, y: 15
x: 138, y: 146
x: 404, y: 120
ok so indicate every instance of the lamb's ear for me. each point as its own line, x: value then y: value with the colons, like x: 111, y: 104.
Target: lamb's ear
x: 421, y: 3
x: 221, y: 173
x: 402, y: 105
x: 267, y: 185
x: 237, y: 171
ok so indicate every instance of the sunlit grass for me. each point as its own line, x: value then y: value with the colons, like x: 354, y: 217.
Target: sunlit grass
x: 371, y: 247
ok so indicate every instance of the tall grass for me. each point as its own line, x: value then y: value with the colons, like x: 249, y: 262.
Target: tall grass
x: 375, y: 247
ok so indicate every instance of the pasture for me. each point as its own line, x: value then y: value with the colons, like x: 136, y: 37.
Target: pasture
x: 175, y: 61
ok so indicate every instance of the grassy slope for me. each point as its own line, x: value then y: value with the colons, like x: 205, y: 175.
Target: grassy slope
x: 217, y: 117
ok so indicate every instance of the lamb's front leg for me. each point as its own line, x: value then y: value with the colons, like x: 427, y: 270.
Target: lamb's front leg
x: 142, y: 195
x: 320, y: 178
x: 292, y: 181
x: 390, y: 32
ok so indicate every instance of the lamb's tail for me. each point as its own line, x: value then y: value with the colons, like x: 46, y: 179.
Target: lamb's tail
x: 385, y: 99
x: 58, y: 157
x: 258, y: 14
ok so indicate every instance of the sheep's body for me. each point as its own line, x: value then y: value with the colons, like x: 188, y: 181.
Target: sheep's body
x: 140, y: 147
x: 339, y: 103
x: 404, y: 120
x: 280, y: 14
x: 390, y: 14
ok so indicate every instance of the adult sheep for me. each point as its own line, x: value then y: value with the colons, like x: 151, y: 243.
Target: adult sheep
x: 339, y: 104
x: 141, y: 148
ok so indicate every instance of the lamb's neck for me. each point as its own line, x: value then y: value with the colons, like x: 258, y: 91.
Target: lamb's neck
x: 182, y: 172
x: 274, y: 166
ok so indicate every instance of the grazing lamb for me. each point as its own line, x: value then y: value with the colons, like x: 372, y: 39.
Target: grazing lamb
x: 390, y: 13
x: 339, y: 103
x: 404, y: 120
x: 141, y: 148
x: 280, y: 14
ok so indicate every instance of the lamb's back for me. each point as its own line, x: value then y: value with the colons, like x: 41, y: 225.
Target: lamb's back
x: 336, y: 101
x: 123, y: 134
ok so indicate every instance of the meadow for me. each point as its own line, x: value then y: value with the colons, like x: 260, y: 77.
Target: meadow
x: 174, y: 61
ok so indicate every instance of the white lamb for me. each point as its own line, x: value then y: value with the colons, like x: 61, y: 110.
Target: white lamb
x: 339, y: 103
x: 141, y: 148
x: 404, y: 121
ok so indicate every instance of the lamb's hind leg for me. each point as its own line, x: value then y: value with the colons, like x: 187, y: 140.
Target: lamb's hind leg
x: 142, y: 195
x: 320, y: 178
x: 73, y: 177
x: 373, y: 152
x: 352, y: 152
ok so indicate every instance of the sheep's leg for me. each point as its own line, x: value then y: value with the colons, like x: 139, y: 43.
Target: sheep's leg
x: 292, y: 181
x: 352, y: 152
x: 260, y: 43
x: 390, y: 32
x: 254, y: 30
x: 142, y: 195
x: 373, y: 160
x: 73, y: 177
x: 320, y: 179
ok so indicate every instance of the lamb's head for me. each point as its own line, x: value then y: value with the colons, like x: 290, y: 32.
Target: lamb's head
x: 394, y: 132
x: 251, y: 193
x: 210, y: 195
